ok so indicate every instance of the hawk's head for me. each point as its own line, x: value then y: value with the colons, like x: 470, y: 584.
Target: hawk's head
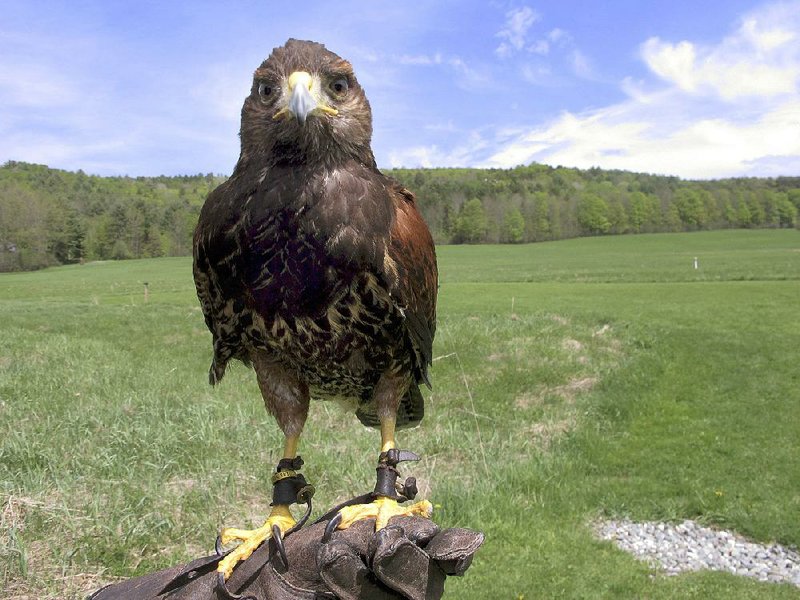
x: 306, y: 106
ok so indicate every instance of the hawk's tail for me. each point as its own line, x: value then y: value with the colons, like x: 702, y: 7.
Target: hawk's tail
x: 219, y: 364
x: 216, y: 371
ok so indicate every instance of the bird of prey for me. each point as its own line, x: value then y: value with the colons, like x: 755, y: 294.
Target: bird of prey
x: 316, y: 269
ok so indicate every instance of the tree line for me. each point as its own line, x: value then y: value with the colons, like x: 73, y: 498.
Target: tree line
x: 50, y: 217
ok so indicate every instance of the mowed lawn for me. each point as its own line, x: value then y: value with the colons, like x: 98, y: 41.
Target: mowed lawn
x: 573, y: 380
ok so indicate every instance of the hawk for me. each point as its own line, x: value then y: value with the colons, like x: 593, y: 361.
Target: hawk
x: 316, y: 269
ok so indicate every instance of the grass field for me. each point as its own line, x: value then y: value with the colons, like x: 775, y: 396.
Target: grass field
x: 572, y: 380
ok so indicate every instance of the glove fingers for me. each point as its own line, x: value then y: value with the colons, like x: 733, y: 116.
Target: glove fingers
x: 453, y: 549
x: 403, y: 566
x: 417, y: 529
x: 346, y: 575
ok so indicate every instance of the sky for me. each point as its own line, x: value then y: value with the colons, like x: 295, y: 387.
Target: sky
x: 697, y: 90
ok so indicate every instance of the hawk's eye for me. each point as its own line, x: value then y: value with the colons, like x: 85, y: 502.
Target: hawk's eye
x: 339, y: 86
x: 264, y: 89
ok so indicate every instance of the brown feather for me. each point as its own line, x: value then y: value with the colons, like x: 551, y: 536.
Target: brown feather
x: 312, y: 264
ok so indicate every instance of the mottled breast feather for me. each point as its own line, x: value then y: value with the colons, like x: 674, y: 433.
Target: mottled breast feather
x: 280, y: 255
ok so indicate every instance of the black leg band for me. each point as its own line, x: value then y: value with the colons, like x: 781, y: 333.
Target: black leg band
x: 386, y: 484
x: 387, y: 481
x: 289, y: 486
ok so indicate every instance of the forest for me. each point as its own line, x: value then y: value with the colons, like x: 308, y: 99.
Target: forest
x: 51, y: 217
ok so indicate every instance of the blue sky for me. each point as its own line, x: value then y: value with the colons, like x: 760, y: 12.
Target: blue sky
x: 698, y: 90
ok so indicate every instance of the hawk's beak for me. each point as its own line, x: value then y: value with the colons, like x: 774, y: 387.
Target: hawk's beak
x: 301, y: 100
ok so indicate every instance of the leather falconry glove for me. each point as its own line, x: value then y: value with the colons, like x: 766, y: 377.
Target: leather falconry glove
x: 410, y: 559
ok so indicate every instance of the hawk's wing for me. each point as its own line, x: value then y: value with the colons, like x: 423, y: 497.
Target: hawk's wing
x: 370, y: 220
x: 410, y: 267
x: 218, y: 269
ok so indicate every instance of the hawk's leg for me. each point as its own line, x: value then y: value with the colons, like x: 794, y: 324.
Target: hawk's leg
x: 288, y: 487
x: 385, y: 506
x: 287, y: 400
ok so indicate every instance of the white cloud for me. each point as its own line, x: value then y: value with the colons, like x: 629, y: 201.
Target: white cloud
x: 630, y: 137
x: 417, y: 156
x: 448, y: 126
x: 765, y: 37
x: 547, y: 57
x: 716, y: 110
x: 761, y: 58
x: 673, y: 62
x: 469, y: 75
x: 536, y: 74
x: 559, y: 36
x: 580, y: 64
x: 636, y: 90
x: 515, y: 30
x: 435, y: 156
x: 515, y: 36
x: 419, y: 59
x: 540, y: 47
x: 567, y: 139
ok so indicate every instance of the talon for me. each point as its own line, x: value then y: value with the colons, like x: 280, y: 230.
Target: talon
x: 332, y: 526
x: 288, y: 487
x: 226, y: 593
x: 280, y: 518
x: 277, y: 537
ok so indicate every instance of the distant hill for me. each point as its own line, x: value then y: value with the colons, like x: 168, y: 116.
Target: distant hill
x: 49, y: 216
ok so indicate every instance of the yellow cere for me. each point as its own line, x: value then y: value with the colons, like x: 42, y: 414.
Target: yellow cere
x: 300, y: 77
x: 304, y: 79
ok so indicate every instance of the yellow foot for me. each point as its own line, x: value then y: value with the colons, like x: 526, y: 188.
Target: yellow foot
x: 252, y: 538
x: 383, y: 509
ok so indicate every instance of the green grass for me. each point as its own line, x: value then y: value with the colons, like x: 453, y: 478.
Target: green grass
x: 756, y: 255
x: 573, y: 380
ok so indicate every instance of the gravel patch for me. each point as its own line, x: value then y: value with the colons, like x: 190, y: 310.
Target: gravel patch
x: 688, y: 546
